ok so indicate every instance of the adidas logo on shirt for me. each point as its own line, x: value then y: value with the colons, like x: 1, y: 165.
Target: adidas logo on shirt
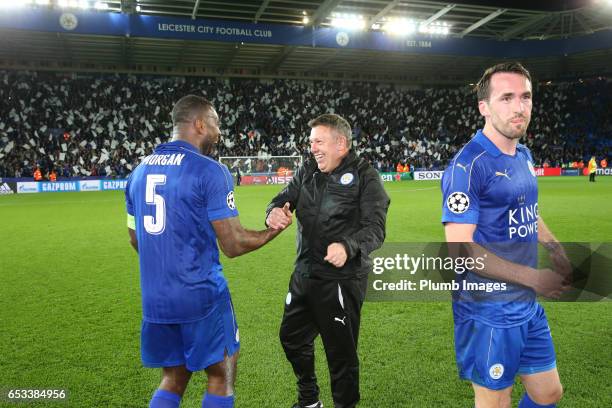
x: 5, y: 189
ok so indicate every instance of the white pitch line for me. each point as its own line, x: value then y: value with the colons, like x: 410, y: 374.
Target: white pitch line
x: 414, y: 189
x: 19, y: 204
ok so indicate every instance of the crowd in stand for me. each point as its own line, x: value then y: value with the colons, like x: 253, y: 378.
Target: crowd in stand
x: 102, y: 125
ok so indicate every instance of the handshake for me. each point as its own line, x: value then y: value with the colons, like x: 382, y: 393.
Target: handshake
x: 280, y: 218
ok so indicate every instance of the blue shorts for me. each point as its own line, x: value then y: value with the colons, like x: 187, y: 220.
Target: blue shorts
x: 492, y: 357
x: 196, y: 345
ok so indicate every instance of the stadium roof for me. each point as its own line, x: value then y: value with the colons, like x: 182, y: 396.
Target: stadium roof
x: 495, y: 19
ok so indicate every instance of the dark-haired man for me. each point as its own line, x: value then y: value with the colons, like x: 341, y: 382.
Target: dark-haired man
x: 341, y: 208
x: 490, y: 202
x: 179, y: 203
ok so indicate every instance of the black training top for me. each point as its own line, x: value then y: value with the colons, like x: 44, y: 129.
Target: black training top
x: 349, y: 206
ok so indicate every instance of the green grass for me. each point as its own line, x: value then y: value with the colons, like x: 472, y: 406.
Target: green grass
x: 70, y: 306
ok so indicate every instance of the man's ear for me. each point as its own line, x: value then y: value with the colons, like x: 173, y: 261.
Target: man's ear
x: 341, y: 143
x: 483, y: 107
x: 199, y: 125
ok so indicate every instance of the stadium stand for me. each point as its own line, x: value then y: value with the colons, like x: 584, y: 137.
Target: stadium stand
x: 101, y: 125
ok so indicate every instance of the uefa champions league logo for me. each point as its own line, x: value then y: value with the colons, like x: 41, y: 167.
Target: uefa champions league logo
x: 342, y: 39
x: 458, y: 202
x: 68, y: 21
x: 231, y: 203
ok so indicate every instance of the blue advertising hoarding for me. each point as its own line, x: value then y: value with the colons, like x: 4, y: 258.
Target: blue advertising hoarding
x: 119, y: 184
x: 137, y: 25
x: 570, y: 172
x: 214, y: 30
x: 25, y: 187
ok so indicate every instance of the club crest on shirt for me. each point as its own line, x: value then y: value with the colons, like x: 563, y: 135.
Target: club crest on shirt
x: 531, y: 169
x: 231, y: 204
x: 458, y: 202
x: 346, y: 179
x: 496, y: 371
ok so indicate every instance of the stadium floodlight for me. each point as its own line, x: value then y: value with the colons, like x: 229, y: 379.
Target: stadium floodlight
x: 435, y: 28
x: 14, y: 3
x: 348, y: 21
x: 400, y: 27
x: 101, y: 6
x: 306, y: 20
x: 445, y: 28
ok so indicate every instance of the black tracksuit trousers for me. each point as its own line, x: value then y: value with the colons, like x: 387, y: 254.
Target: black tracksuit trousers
x: 331, y: 308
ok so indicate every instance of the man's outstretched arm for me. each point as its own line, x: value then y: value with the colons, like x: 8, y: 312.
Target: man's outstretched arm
x: 544, y: 281
x: 286, y: 200
x: 235, y: 240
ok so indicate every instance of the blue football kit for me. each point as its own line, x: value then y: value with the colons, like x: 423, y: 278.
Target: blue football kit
x: 498, y: 333
x: 172, y: 198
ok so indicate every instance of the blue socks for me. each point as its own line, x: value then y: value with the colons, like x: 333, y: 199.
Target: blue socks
x: 216, y: 401
x: 526, y: 402
x: 165, y: 399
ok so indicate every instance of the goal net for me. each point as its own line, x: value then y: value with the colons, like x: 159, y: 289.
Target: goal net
x: 262, y: 170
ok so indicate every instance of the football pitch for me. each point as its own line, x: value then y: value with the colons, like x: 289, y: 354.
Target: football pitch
x: 70, y: 306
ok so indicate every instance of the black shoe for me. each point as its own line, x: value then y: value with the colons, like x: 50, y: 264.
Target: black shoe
x: 318, y: 405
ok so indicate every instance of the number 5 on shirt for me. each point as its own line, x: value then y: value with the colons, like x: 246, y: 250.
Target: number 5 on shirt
x: 155, y: 226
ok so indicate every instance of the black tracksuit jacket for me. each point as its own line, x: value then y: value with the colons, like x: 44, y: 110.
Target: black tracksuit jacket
x: 348, y: 205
